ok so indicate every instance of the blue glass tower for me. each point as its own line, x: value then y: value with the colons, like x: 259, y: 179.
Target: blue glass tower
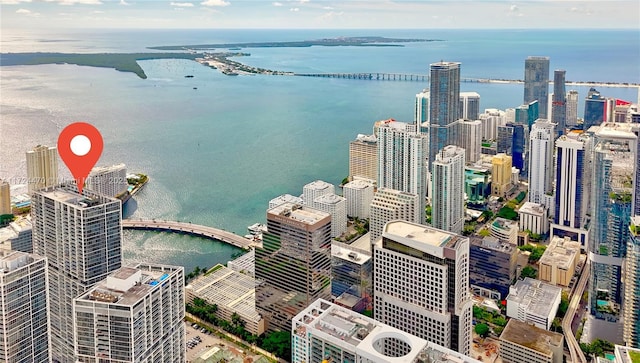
x: 594, y: 109
x: 444, y: 93
x: 536, y: 82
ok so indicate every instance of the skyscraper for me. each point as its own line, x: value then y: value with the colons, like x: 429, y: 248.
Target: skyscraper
x: 631, y: 307
x: 512, y: 140
x: 500, y: 174
x: 536, y: 82
x: 135, y: 315
x: 390, y: 204
x: 422, y: 110
x: 337, y: 207
x: 471, y: 139
x: 363, y: 158
x: 421, y: 283
x: 359, y: 194
x: 23, y: 308
x: 612, y: 191
x: 109, y: 180
x: 570, y: 191
x: 594, y: 109
x: 5, y: 197
x: 448, y: 189
x: 572, y: 109
x: 469, y: 106
x: 402, y: 159
x: 444, y: 93
x: 559, y: 102
x: 541, y: 141
x: 42, y: 167
x: 81, y: 236
x: 294, y: 263
x: 315, y: 189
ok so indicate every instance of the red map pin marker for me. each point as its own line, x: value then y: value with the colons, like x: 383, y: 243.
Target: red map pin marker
x: 80, y: 145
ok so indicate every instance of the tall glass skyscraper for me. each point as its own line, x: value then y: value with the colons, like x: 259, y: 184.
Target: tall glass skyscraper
x: 631, y: 308
x: 559, y: 102
x: 536, y: 82
x: 444, y: 106
x: 594, y: 109
x: 448, y: 189
x: 541, y: 160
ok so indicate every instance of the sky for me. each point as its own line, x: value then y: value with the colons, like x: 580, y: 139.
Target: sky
x: 319, y: 14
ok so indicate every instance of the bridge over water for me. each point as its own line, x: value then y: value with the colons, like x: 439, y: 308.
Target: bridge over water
x: 190, y: 229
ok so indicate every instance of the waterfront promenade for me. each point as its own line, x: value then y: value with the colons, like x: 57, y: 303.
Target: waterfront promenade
x: 189, y: 228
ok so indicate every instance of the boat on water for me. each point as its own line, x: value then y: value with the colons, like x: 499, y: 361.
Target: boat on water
x: 257, y: 228
x: 188, y: 76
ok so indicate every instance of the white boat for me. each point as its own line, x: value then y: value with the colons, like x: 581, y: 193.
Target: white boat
x: 257, y: 228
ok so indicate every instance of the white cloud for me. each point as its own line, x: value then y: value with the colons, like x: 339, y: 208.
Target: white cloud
x: 294, y: 9
x: 277, y: 4
x: 13, y: 2
x: 97, y: 12
x: 513, y: 8
x: 215, y: 3
x: 28, y: 13
x: 182, y: 5
x: 23, y: 11
x: 74, y: 2
x: 328, y: 7
x: 122, y: 2
x: 303, y: 1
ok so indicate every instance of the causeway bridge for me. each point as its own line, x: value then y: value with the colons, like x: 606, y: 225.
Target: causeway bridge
x: 425, y: 78
x: 190, y: 229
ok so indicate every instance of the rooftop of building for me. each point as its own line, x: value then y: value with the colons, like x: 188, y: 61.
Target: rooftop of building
x: 469, y: 94
x: 615, y: 130
x: 538, y: 296
x: 530, y: 336
x: 443, y: 64
x: 493, y: 243
x: 626, y: 354
x: 225, y: 287
x: 447, y: 153
x: 358, y: 184
x: 106, y: 169
x: 329, y: 199
x: 422, y: 234
x: 369, y: 139
x: 561, y: 252
x: 128, y: 285
x: 318, y: 185
x: 533, y: 208
x: 298, y: 213
x: 352, y: 255
x: 363, y: 243
x: 504, y: 224
x: 13, y: 260
x: 391, y: 123
x: 285, y: 198
x: 68, y: 194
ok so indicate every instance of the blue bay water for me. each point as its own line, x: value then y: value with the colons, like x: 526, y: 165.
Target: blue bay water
x: 217, y: 154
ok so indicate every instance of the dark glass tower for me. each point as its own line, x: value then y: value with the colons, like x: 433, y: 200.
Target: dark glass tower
x: 536, y: 82
x: 594, y: 109
x: 445, y: 104
x: 559, y: 102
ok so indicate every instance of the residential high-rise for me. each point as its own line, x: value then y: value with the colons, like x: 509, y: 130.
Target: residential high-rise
x: 422, y: 111
x: 42, y: 167
x: 136, y: 314
x: 23, y: 308
x: 444, y: 93
x: 500, y: 174
x: 326, y: 332
x: 594, y: 109
x: 402, y: 160
x: 421, y: 283
x: 359, y: 195
x: 294, y: 263
x: 477, y: 186
x: 363, y: 158
x: 536, y: 82
x: 448, y: 189
x: 631, y: 275
x: 541, y: 142
x: 109, y: 180
x: 5, y: 197
x: 491, y: 119
x: 612, y: 191
x: 512, y: 140
x: 559, y: 102
x: 81, y: 236
x: 572, y: 109
x: 337, y: 207
x: 471, y: 139
x: 17, y: 236
x: 315, y: 189
x: 390, y: 204
x: 469, y: 106
x: 570, y: 189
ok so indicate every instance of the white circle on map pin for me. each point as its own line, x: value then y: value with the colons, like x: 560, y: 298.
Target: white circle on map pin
x: 80, y: 145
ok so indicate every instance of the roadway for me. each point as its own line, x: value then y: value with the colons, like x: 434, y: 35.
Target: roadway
x: 577, y: 356
x: 189, y: 228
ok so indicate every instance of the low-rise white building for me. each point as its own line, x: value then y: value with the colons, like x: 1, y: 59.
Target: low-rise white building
x: 533, y: 301
x: 359, y: 194
x: 506, y: 231
x: 522, y: 342
x: 534, y: 217
x: 327, y: 332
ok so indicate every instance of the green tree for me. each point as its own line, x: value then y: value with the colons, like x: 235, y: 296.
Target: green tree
x: 500, y: 321
x: 564, y: 305
x: 278, y: 343
x: 482, y: 330
x: 529, y: 271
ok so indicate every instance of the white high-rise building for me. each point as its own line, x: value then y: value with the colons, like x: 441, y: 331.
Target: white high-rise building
x: 509, y: 115
x: 109, y: 180
x: 5, y: 197
x: 42, y: 167
x: 359, y: 195
x: 421, y: 283
x: 389, y: 205
x: 471, y: 139
x: 541, y: 142
x: 572, y: 108
x: 448, y: 189
x: 135, y: 315
x: 325, y: 332
x: 363, y: 158
x: 23, y: 308
x: 491, y: 119
x: 315, y: 189
x: 337, y: 207
x: 469, y: 105
x: 81, y: 236
x: 402, y: 160
x: 421, y: 114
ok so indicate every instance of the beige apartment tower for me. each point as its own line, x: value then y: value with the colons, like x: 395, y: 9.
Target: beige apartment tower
x: 42, y: 167
x: 5, y: 197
